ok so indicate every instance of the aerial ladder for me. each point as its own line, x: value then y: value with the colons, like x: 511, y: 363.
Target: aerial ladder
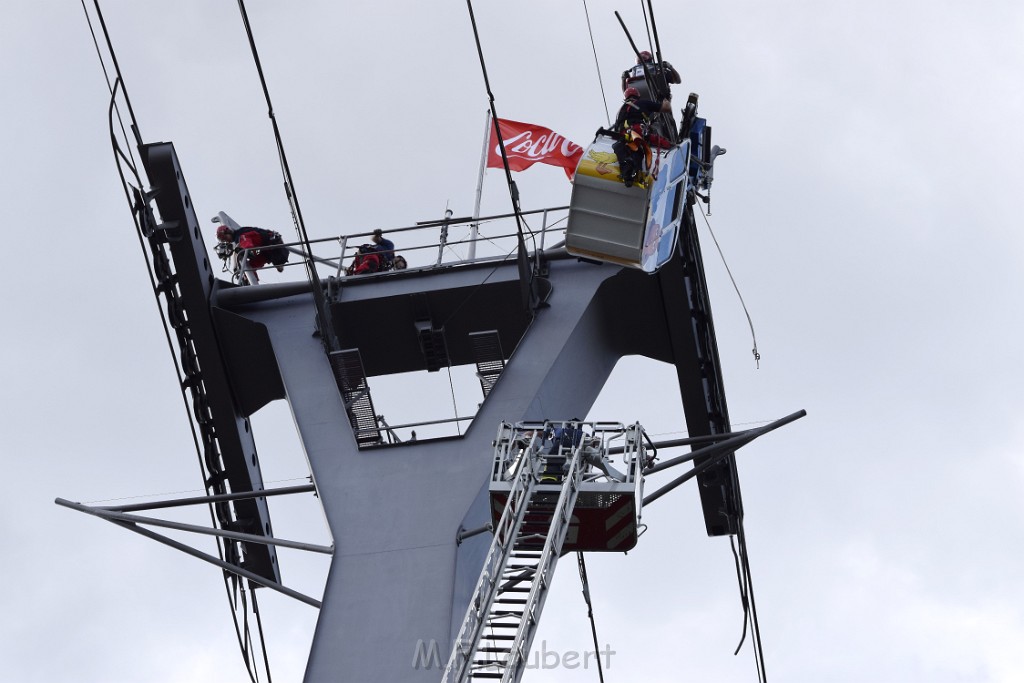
x: 540, y: 471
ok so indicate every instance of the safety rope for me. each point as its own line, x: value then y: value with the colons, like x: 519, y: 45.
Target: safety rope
x: 753, y: 336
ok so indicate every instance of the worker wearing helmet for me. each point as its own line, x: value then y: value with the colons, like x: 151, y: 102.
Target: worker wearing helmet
x: 249, y: 242
x: 661, y: 75
x: 384, y: 247
x: 632, y: 125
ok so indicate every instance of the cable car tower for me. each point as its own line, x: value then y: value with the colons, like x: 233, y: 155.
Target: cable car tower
x: 443, y: 548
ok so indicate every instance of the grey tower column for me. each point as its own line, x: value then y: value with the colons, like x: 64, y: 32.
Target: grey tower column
x: 395, y: 512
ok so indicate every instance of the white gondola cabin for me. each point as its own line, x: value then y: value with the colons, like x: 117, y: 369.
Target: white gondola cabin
x: 632, y: 226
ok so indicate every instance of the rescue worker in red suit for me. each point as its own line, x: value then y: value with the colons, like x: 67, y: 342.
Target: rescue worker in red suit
x: 366, y: 260
x: 632, y: 124
x: 251, y: 239
x: 380, y: 255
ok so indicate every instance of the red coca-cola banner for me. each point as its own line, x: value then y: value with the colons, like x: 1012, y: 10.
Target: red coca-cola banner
x: 526, y: 144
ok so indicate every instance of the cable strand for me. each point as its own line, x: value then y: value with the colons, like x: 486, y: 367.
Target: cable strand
x: 753, y: 336
x: 600, y: 81
x: 590, y: 612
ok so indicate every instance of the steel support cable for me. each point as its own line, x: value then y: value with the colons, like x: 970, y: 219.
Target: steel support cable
x: 106, y: 77
x: 247, y: 635
x: 647, y: 72
x: 600, y: 82
x: 163, y: 319
x: 755, y: 626
x: 753, y: 336
x: 119, y: 82
x: 657, y: 89
x: 117, y: 69
x: 657, y: 50
x: 513, y: 191
x: 647, y: 24
x: 590, y: 612
x: 655, y: 47
x: 184, y: 395
x: 327, y: 332
x: 130, y: 162
x: 743, y: 594
x: 259, y: 627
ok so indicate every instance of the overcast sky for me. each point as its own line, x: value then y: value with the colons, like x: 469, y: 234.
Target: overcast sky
x: 868, y: 208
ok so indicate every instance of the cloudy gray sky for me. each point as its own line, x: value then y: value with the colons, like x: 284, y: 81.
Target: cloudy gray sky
x: 867, y: 207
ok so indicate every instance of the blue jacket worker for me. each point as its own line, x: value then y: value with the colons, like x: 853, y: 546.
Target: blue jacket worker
x: 384, y: 247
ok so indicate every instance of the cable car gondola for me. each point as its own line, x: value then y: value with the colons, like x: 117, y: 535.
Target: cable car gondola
x: 637, y: 226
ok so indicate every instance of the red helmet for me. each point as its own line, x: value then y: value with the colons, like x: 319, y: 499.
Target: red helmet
x: 224, y: 234
x: 645, y: 56
x: 630, y: 93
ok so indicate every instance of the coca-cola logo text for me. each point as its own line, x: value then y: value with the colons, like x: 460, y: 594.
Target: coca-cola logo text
x: 526, y: 146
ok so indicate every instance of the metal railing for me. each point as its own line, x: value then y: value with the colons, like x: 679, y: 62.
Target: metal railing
x: 423, y: 246
x: 596, y: 439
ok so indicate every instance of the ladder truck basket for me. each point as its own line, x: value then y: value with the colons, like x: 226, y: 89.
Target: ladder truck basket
x: 606, y: 514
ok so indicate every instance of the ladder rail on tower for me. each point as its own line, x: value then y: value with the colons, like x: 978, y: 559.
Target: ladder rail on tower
x: 543, y: 468
x: 523, y: 476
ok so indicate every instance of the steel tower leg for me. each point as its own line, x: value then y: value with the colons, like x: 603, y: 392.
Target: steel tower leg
x: 395, y: 513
